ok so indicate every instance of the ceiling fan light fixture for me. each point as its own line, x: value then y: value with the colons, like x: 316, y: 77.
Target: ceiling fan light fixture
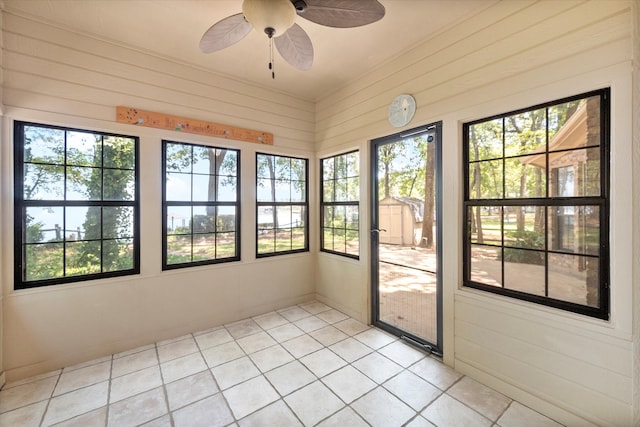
x: 275, y: 17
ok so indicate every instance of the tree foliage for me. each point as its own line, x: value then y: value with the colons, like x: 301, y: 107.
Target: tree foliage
x: 506, y: 161
x: 406, y: 168
x: 62, y: 166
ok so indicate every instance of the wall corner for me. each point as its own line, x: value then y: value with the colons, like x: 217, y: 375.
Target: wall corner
x: 635, y: 135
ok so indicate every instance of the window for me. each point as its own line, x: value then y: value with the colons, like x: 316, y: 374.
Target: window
x: 340, y: 207
x: 536, y: 204
x: 564, y: 238
x: 282, y: 205
x: 76, y: 205
x: 201, y: 205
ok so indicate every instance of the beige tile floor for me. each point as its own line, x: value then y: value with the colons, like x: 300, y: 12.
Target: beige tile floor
x: 303, y: 365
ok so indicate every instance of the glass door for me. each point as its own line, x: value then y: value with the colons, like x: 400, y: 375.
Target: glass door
x: 405, y: 235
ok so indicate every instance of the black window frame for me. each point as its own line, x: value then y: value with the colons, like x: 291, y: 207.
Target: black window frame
x: 275, y: 204
x: 183, y: 203
x: 333, y: 203
x: 21, y: 205
x: 602, y: 311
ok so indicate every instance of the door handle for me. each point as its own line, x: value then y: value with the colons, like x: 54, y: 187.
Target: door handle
x: 378, y: 230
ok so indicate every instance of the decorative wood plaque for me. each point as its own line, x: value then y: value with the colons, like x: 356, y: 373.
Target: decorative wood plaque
x: 134, y: 116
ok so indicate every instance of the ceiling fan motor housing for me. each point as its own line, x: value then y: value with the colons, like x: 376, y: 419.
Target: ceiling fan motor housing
x: 275, y: 17
x: 300, y: 5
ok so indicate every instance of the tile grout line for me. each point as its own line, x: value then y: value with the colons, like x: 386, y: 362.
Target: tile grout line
x: 317, y: 377
x: 295, y: 359
x: 156, y: 351
x: 108, y: 404
x: 46, y: 408
x: 260, y: 373
x: 164, y: 385
x: 215, y: 381
x: 465, y: 404
x: 263, y: 374
x: 503, y: 412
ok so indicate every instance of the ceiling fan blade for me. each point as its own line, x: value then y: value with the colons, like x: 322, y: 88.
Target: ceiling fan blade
x: 296, y: 48
x: 224, y: 33
x: 342, y: 13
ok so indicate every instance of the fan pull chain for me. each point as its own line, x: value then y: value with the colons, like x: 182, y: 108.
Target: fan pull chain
x: 271, y: 61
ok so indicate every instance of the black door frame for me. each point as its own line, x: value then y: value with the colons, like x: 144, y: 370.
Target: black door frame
x: 436, y: 347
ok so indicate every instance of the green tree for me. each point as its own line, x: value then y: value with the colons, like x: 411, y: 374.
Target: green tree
x: 44, y: 162
x: 34, y: 232
x: 266, y: 168
x: 290, y: 172
x: 221, y: 169
x: 525, y: 133
x: 216, y: 160
x: 427, y: 239
x: 387, y: 155
x: 485, y: 172
x: 104, y: 225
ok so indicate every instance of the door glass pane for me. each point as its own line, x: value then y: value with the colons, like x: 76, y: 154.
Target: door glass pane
x: 406, y: 241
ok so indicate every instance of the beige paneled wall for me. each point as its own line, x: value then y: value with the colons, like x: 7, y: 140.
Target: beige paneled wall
x: 2, y: 373
x: 500, y: 43
x: 51, y: 69
x: 635, y: 19
x: 57, y: 77
x: 511, y: 55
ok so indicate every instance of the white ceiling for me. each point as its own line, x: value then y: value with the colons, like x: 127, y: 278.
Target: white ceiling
x: 173, y: 28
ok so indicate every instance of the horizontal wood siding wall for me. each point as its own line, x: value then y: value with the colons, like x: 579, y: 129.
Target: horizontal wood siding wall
x: 510, y: 55
x: 635, y: 11
x: 55, y: 76
x: 2, y: 369
x: 51, y: 69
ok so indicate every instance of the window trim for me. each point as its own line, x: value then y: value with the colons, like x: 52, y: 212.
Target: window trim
x: 20, y: 206
x: 602, y: 201
x: 166, y: 204
x: 324, y: 204
x: 304, y: 204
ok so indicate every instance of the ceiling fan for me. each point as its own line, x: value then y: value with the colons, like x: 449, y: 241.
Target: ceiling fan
x: 276, y: 19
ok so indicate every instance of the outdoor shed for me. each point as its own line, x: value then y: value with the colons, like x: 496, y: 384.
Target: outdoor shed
x: 401, y: 220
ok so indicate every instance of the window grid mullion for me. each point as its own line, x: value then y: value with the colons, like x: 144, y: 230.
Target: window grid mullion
x: 61, y: 273
x: 212, y: 230
x: 545, y: 205
x: 546, y: 208
x: 339, y: 178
